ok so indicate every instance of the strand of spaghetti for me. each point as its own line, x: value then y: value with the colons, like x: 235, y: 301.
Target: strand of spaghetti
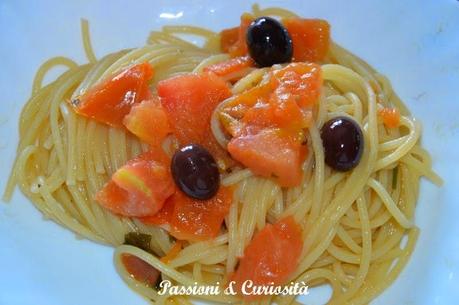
x: 95, y: 72
x: 188, y: 29
x: 348, y: 240
x: 265, y: 200
x: 81, y: 152
x: 63, y: 84
x: 384, y: 281
x: 422, y: 168
x: 232, y: 224
x: 48, y: 65
x: 60, y: 216
x: 355, y: 182
x: 71, y: 146
x: 310, y: 276
x: 210, y: 61
x: 89, y: 51
x: 318, y: 173
x: 414, y: 134
x: 247, y: 220
x: 365, y: 256
x: 236, y: 177
x: 389, y: 203
x: 35, y: 115
x: 341, y: 275
x: 163, y: 268
x: 197, y: 251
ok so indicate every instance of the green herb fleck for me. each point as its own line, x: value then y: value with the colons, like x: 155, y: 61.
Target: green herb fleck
x: 138, y: 240
x: 394, y: 177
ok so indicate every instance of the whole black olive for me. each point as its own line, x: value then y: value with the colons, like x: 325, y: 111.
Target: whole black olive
x: 269, y: 42
x: 195, y: 172
x: 342, y: 140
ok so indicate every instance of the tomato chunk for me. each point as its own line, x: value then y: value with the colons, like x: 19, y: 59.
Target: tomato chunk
x: 189, y: 101
x: 269, y: 154
x: 269, y: 136
x: 271, y: 257
x: 303, y: 81
x: 228, y: 37
x: 233, y: 40
x: 139, y: 188
x: 148, y: 121
x: 232, y: 69
x: 310, y: 37
x: 111, y: 99
x: 140, y: 270
x: 191, y: 219
x: 390, y: 117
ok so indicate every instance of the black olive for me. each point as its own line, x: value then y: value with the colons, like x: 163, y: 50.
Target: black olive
x: 195, y: 172
x: 269, y: 42
x: 342, y: 139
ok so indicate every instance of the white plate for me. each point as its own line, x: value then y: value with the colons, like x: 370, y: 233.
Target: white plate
x: 415, y: 43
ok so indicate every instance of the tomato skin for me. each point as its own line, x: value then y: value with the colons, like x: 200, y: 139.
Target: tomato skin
x: 191, y: 219
x: 189, y: 101
x: 139, y: 188
x: 271, y: 257
x: 310, y: 37
x: 111, y: 99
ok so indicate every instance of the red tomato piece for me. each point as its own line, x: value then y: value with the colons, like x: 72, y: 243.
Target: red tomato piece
x: 189, y: 101
x: 303, y: 81
x: 228, y: 37
x: 191, y: 219
x: 270, y: 154
x: 310, y: 37
x: 232, y: 69
x: 111, y: 99
x: 233, y: 40
x: 140, y: 270
x: 148, y: 121
x: 390, y: 117
x: 269, y: 139
x: 139, y: 188
x: 163, y: 216
x: 272, y: 255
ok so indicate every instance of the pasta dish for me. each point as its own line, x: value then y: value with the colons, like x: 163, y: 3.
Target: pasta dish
x: 267, y: 154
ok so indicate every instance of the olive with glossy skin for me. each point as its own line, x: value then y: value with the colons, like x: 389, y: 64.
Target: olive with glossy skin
x: 195, y: 172
x: 269, y: 42
x: 342, y: 140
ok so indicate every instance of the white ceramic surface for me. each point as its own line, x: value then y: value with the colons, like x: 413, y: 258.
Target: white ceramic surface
x: 415, y: 43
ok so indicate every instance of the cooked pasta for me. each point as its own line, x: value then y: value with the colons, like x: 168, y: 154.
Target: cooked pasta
x: 357, y: 227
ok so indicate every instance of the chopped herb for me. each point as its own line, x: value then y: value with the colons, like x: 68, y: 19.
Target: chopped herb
x: 394, y: 177
x: 138, y: 240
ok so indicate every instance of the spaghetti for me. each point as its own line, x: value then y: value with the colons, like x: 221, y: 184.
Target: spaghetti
x: 354, y: 225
